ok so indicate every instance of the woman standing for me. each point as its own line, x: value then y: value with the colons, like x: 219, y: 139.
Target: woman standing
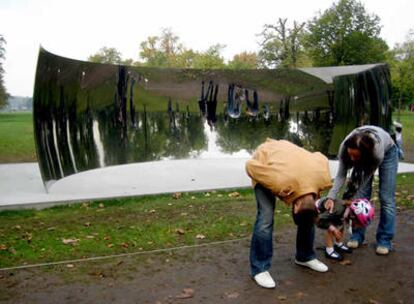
x: 365, y: 150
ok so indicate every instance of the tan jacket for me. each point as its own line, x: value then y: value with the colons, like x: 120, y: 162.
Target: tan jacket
x: 288, y: 170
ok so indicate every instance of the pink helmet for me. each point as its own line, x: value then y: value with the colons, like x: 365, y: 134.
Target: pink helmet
x: 363, y: 211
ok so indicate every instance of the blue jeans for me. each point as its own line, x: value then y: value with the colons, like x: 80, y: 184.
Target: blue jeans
x: 261, y: 250
x: 387, y: 184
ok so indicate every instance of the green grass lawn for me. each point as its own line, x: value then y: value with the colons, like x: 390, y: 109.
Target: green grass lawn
x: 16, y: 138
x: 127, y: 225
x: 139, y: 224
x: 407, y: 120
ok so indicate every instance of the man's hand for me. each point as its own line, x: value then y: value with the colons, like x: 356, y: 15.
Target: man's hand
x: 329, y: 205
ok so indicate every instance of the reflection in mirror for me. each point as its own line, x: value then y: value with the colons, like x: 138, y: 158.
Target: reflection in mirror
x: 90, y: 115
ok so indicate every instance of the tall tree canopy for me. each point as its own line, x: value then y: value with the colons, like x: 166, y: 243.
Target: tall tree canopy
x: 402, y: 70
x: 166, y: 51
x: 345, y: 34
x: 282, y: 46
x: 244, y: 60
x: 3, y: 92
x: 106, y: 55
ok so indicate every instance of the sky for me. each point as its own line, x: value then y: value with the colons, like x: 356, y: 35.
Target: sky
x: 79, y: 28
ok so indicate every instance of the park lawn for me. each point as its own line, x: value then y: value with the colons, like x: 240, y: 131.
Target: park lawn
x: 407, y: 120
x: 127, y: 225
x: 16, y: 138
x: 103, y: 228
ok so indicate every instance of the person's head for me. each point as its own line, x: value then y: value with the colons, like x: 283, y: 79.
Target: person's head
x: 359, y: 153
x: 359, y: 147
x: 304, y: 209
x: 362, y: 212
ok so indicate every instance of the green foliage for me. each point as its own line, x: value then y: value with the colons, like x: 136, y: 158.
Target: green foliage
x: 3, y: 92
x: 106, y: 55
x: 167, y: 52
x: 402, y: 71
x: 345, y: 34
x: 244, y: 60
x: 282, y: 46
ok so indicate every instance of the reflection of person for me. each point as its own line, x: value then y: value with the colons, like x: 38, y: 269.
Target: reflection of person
x: 364, y: 150
x: 332, y: 218
x: 296, y: 176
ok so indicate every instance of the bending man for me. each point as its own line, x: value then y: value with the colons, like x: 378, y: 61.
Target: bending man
x: 281, y: 169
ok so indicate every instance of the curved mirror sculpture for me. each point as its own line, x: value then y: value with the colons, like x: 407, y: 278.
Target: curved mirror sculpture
x: 89, y: 115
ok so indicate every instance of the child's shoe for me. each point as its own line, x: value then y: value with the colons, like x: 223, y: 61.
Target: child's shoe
x: 333, y: 255
x: 342, y: 248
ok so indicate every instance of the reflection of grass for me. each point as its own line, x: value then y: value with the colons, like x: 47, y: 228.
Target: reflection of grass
x: 127, y: 225
x: 16, y: 138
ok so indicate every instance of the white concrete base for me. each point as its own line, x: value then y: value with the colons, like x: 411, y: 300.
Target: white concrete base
x: 21, y: 185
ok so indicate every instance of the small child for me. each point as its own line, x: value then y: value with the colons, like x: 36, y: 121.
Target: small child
x: 358, y: 213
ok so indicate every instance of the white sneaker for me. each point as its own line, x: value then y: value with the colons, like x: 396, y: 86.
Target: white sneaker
x: 314, y: 264
x: 353, y: 244
x: 264, y: 280
x: 382, y: 250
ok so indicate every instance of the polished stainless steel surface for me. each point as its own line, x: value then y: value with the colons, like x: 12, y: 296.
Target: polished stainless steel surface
x: 90, y: 115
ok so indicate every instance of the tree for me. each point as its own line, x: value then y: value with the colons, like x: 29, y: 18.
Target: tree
x: 106, y: 55
x: 282, y: 46
x: 345, y: 34
x: 244, y: 60
x: 402, y: 70
x: 3, y: 92
x: 162, y: 51
x: 210, y: 59
x: 166, y: 51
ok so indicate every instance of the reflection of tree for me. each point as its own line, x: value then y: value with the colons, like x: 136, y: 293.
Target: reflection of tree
x: 243, y: 133
x: 315, y: 130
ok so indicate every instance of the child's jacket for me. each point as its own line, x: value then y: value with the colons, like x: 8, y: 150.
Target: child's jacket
x: 336, y: 218
x: 289, y: 171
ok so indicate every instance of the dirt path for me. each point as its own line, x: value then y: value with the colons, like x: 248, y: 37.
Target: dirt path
x: 219, y: 274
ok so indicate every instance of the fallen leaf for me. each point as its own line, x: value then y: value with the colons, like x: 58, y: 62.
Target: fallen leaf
x: 106, y: 237
x: 18, y: 227
x: 3, y: 247
x: 125, y: 245
x: 110, y: 245
x: 200, y: 236
x: 411, y: 197
x: 177, y: 195
x: 372, y: 301
x: 180, y: 231
x: 233, y: 295
x: 101, y: 205
x: 193, y: 197
x: 219, y: 195
x: 51, y: 228
x: 345, y: 262
x: 282, y: 298
x: 152, y: 211
x: 70, y: 241
x: 70, y: 266
x: 90, y: 237
x: 186, y: 294
x: 12, y: 251
x: 207, y: 194
x: 184, y: 213
x: 87, y: 224
x: 234, y: 194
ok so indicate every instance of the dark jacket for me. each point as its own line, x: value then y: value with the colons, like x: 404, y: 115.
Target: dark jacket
x: 325, y: 219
